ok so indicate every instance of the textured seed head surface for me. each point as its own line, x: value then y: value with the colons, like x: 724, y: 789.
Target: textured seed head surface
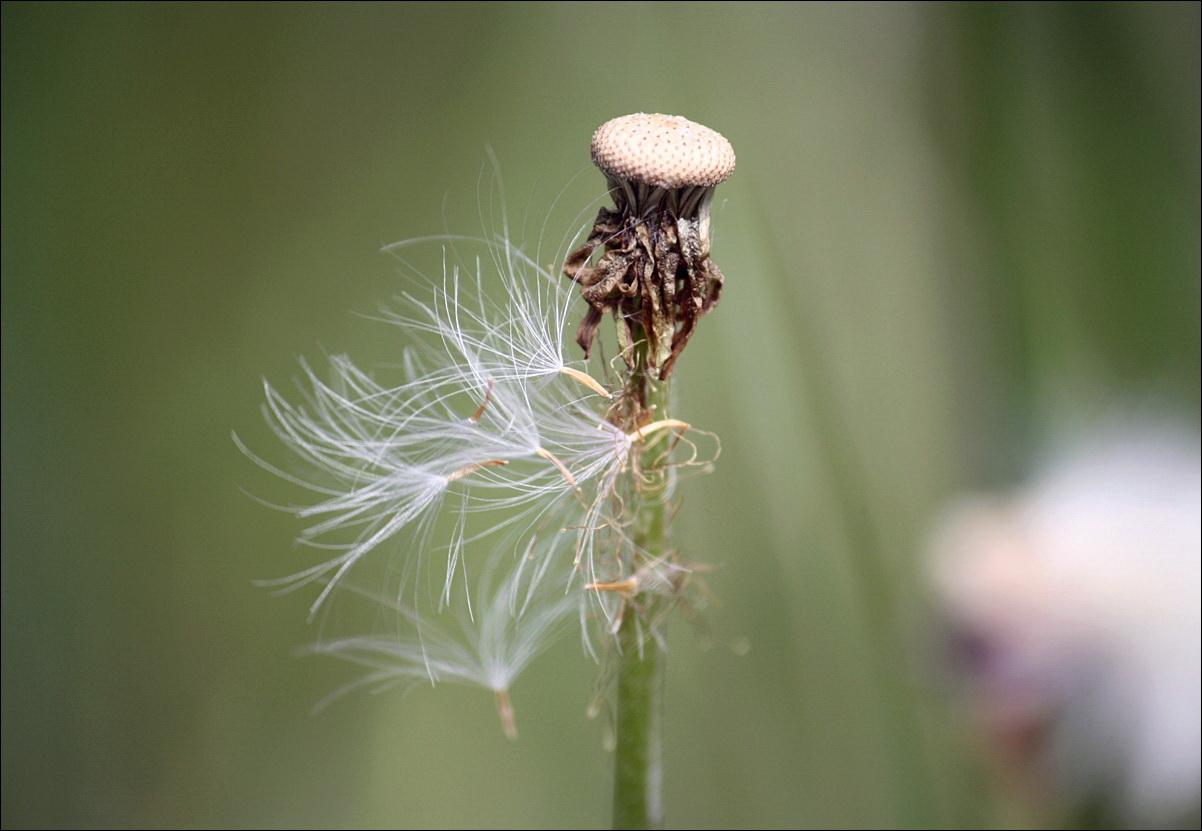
x: 666, y: 151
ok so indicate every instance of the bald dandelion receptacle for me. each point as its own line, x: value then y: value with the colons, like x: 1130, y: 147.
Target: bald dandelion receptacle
x: 656, y: 273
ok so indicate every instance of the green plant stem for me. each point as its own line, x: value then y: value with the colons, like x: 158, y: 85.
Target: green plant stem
x: 638, y: 751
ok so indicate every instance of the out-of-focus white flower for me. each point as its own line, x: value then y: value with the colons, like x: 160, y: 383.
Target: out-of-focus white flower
x: 1079, y: 599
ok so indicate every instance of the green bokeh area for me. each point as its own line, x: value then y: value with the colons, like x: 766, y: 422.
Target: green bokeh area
x: 953, y: 231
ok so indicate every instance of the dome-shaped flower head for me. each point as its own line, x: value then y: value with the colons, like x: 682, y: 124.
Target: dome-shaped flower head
x: 656, y: 273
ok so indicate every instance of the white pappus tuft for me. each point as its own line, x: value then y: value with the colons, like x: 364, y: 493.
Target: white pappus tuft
x: 513, y: 622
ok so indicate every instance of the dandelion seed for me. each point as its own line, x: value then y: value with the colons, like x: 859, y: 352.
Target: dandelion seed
x: 514, y: 622
x: 519, y: 340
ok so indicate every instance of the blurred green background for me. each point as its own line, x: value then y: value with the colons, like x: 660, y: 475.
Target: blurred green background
x: 954, y: 230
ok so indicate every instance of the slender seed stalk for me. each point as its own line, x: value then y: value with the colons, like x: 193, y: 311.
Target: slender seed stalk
x: 638, y: 752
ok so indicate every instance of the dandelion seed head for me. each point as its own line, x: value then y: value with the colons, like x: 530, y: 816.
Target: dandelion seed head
x: 654, y: 274
x: 484, y: 473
